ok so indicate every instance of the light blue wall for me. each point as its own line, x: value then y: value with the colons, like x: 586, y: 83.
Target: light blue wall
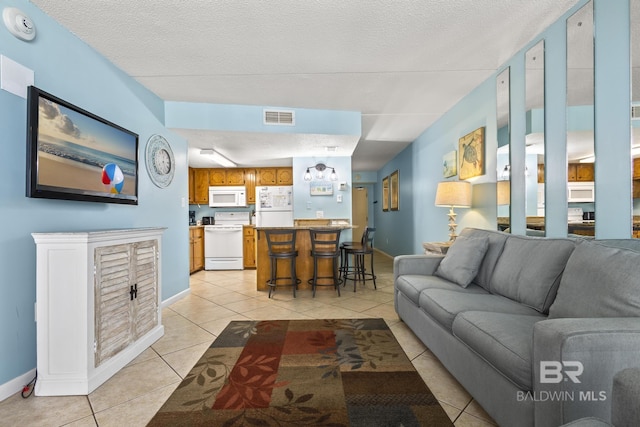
x: 394, y: 234
x: 365, y: 177
x: 305, y: 205
x: 69, y: 69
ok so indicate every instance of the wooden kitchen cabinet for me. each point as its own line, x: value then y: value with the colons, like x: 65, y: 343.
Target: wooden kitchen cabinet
x: 585, y: 172
x: 226, y: 176
x: 636, y: 168
x: 581, y: 172
x: 250, y: 185
x: 192, y: 186
x: 235, y: 176
x: 249, y: 247
x: 572, y: 172
x: 217, y: 176
x: 196, y: 249
x: 266, y: 176
x: 284, y: 176
x: 274, y: 176
x: 201, y: 186
x: 540, y: 173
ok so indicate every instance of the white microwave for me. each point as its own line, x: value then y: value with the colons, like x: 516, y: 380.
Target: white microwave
x: 227, y: 197
x: 581, y: 192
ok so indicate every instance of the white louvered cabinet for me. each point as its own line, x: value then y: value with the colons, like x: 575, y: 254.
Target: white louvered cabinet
x: 97, y: 305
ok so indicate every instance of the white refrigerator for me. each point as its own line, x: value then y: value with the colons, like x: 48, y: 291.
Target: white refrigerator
x: 274, y: 206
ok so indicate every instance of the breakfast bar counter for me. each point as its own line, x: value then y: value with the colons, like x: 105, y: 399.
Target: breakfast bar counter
x: 304, y: 261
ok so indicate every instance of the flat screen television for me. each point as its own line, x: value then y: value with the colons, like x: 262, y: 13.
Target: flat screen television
x: 73, y: 154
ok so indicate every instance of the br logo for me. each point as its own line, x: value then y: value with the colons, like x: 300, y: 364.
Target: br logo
x: 554, y: 372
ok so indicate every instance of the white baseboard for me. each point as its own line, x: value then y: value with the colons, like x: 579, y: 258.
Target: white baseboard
x: 15, y: 385
x: 383, y: 253
x: 176, y: 297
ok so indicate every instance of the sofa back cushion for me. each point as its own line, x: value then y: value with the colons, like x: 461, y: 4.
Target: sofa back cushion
x: 529, y: 270
x: 494, y: 250
x: 599, y: 281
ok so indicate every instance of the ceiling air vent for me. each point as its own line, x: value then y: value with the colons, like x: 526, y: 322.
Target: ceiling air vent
x: 635, y: 112
x: 279, y: 117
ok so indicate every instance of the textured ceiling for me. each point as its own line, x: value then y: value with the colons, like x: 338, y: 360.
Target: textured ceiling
x: 402, y: 64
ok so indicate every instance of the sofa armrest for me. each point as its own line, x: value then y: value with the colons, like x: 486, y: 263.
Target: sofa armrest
x: 424, y: 265
x: 625, y: 404
x: 574, y: 362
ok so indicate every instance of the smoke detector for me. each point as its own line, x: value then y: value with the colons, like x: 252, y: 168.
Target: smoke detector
x: 19, y: 24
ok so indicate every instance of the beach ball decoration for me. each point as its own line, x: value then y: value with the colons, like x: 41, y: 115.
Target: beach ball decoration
x: 113, y: 178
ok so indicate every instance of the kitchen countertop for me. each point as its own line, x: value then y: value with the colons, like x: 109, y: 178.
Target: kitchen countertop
x: 308, y: 227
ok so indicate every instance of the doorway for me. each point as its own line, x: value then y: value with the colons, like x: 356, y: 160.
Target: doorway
x: 359, y: 210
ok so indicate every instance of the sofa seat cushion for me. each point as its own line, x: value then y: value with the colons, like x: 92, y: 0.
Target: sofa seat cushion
x: 444, y: 305
x: 530, y: 268
x: 504, y: 340
x: 411, y: 286
x: 599, y: 281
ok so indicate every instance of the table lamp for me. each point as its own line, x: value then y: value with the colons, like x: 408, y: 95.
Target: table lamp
x: 453, y: 194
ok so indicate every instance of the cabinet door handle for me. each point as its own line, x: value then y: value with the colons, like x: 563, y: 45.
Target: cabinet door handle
x: 134, y: 291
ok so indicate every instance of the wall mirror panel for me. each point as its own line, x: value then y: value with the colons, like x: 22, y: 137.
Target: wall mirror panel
x: 535, y: 140
x: 635, y: 114
x: 580, y: 123
x: 503, y: 184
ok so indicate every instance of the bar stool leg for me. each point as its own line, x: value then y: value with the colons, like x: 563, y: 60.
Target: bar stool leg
x: 336, y: 277
x: 294, y: 278
x: 272, y: 281
x: 373, y: 273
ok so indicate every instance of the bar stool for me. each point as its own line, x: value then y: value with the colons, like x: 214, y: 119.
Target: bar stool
x: 344, y: 265
x: 325, y: 244
x: 358, y: 251
x: 282, y: 246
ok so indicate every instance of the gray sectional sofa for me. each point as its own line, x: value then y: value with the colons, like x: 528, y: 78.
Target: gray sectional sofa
x: 534, y: 328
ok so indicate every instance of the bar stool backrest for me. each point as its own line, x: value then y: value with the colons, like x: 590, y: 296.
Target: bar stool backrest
x: 281, y: 241
x: 367, y: 238
x: 325, y: 241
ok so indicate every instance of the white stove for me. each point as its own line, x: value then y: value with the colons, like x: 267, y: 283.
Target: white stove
x: 223, y: 241
x: 574, y: 215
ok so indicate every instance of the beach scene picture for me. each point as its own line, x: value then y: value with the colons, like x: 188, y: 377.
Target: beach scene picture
x: 80, y: 153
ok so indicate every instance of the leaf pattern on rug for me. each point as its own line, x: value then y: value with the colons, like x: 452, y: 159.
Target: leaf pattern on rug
x: 369, y: 348
x: 244, y: 329
x: 208, y: 372
x: 250, y: 384
x: 294, y: 412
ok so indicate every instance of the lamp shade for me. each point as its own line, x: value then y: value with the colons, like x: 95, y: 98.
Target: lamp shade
x: 454, y: 193
x: 504, y: 192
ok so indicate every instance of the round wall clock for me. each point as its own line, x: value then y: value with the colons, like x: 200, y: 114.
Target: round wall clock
x: 160, y: 161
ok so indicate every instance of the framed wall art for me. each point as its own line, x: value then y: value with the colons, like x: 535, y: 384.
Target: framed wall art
x: 394, y: 191
x: 471, y: 158
x: 450, y: 164
x: 385, y: 194
x: 321, y: 188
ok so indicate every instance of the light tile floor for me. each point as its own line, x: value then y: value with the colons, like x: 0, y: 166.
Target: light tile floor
x: 132, y: 396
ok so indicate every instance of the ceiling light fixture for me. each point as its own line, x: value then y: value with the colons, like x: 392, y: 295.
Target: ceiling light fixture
x: 320, y: 168
x: 218, y: 158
